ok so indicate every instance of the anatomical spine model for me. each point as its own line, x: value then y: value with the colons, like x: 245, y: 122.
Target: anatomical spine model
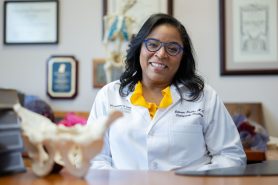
x: 71, y: 147
x: 118, y: 30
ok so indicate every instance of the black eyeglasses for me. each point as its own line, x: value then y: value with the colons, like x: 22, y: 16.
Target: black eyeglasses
x: 172, y: 48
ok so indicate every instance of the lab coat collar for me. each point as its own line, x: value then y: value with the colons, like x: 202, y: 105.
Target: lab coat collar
x: 175, y: 93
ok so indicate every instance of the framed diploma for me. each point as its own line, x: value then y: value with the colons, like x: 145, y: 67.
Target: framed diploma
x: 31, y: 22
x: 62, y: 77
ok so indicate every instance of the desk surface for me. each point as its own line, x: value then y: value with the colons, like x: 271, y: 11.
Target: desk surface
x: 120, y: 177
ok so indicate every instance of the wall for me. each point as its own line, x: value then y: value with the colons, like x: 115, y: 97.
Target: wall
x: 24, y: 67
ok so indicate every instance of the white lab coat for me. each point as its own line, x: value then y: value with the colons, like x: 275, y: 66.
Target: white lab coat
x: 196, y: 135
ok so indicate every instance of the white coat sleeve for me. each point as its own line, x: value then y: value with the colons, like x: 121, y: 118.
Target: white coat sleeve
x: 99, y: 109
x: 222, y: 137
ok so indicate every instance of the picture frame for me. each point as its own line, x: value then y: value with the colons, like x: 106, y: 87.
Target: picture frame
x: 31, y: 22
x: 99, y: 78
x: 99, y: 75
x: 248, y: 37
x: 62, y: 77
x: 140, y: 11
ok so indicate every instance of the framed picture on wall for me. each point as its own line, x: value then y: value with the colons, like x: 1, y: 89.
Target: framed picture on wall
x: 31, y: 22
x: 140, y: 11
x: 62, y: 77
x: 99, y: 73
x: 249, y: 37
x: 99, y: 77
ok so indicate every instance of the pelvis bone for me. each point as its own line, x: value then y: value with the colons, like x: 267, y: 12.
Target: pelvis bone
x: 72, y: 147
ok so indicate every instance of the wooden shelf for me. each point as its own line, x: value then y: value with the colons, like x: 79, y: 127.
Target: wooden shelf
x: 255, y: 156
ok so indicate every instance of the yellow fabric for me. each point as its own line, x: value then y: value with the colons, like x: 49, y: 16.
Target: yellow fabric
x: 138, y: 99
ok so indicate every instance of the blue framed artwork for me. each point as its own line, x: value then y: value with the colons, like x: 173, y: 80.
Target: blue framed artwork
x: 62, y: 77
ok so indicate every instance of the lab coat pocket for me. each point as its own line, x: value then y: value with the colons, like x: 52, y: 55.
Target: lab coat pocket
x: 186, y: 143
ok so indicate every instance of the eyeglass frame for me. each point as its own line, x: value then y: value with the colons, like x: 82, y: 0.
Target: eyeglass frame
x: 163, y: 44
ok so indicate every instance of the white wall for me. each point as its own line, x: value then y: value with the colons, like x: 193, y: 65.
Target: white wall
x: 24, y: 67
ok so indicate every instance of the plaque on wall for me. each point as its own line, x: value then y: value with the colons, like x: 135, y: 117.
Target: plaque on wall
x: 62, y: 77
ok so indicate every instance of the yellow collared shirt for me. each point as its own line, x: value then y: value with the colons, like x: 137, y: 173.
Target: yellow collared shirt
x: 138, y: 99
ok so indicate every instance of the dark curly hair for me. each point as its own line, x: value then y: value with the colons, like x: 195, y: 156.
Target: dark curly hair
x: 186, y: 73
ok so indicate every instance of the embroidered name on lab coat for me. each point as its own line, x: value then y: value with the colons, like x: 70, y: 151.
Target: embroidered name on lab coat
x: 198, y: 112
x: 122, y: 108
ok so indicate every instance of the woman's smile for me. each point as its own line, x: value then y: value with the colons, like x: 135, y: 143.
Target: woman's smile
x: 158, y: 66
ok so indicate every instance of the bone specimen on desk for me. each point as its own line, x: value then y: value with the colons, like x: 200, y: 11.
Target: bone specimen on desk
x: 72, y: 147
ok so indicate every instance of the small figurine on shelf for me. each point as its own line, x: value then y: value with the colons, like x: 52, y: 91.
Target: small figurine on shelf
x: 252, y: 134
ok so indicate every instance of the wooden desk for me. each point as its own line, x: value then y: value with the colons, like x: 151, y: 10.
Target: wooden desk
x: 120, y: 177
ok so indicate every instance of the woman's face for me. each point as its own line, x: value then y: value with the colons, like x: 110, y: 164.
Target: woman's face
x: 159, y: 67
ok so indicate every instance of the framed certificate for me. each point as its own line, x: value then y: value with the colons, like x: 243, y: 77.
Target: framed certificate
x: 62, y: 77
x: 31, y: 22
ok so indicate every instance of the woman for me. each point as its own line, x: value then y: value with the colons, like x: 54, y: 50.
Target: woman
x: 171, y: 118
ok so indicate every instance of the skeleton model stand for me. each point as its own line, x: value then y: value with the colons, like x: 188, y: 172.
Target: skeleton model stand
x: 117, y: 32
x: 71, y: 147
